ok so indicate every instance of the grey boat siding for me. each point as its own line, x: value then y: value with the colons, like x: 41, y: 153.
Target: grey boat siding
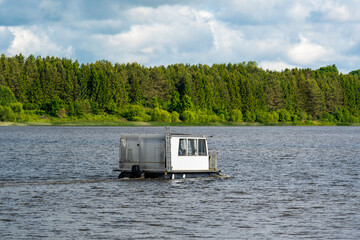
x: 148, y: 151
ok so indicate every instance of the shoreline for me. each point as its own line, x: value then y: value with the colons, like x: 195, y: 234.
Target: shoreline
x: 157, y: 124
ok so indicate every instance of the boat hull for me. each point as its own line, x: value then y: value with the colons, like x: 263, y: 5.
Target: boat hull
x: 169, y: 175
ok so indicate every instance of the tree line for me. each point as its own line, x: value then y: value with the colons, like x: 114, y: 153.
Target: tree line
x: 57, y: 87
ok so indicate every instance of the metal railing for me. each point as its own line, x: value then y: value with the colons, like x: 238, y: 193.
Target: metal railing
x: 168, y: 148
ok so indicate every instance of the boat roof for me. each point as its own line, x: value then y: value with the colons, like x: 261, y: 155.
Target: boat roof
x: 162, y: 135
x: 187, y: 135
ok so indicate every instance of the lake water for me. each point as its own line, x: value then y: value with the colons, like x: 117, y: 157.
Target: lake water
x: 283, y: 183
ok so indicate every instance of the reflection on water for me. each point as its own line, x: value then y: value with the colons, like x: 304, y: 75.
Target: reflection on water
x: 286, y: 183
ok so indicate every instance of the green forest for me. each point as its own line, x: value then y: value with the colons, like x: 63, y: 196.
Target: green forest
x: 49, y: 89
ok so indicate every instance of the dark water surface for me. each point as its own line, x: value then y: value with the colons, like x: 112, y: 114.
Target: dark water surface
x: 286, y: 183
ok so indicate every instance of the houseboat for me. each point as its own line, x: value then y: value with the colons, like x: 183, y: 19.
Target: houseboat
x: 168, y: 155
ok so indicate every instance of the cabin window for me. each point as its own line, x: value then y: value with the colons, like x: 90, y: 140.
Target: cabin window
x: 192, y: 147
x: 182, y: 147
x: 202, y: 147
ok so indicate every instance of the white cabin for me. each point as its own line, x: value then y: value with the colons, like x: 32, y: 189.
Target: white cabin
x: 189, y: 153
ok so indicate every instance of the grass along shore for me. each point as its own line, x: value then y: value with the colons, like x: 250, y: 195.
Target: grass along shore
x: 28, y: 119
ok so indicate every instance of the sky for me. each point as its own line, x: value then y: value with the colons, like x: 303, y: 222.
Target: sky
x: 277, y: 34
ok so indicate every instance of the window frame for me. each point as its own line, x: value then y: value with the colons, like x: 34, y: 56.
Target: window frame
x: 184, y: 147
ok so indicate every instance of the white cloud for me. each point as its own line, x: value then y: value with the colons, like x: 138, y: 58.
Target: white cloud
x: 299, y: 12
x: 165, y: 33
x: 226, y: 41
x: 27, y: 42
x: 306, y: 53
x: 275, y: 65
x: 335, y: 12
